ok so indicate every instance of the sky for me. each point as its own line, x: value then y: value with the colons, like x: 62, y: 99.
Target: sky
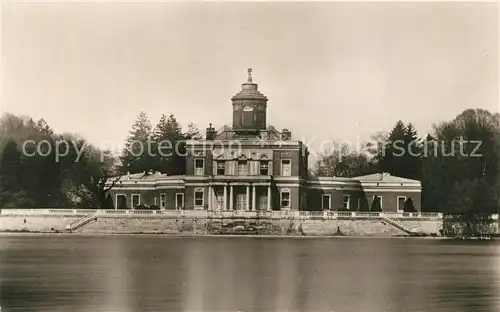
x: 331, y: 71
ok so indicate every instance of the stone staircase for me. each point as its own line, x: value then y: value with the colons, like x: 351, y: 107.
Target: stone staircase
x: 350, y: 228
x: 397, y: 224
x: 81, y: 222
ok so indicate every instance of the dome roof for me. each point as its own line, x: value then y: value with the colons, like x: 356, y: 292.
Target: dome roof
x: 249, y: 90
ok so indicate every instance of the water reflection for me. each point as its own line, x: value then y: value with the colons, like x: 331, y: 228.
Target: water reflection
x: 287, y: 277
x: 128, y: 274
x: 115, y: 278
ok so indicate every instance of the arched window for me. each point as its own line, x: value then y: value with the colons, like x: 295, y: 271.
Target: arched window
x: 242, y: 165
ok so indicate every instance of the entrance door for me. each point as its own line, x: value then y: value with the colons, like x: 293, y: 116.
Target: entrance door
x: 326, y: 202
x: 263, y: 203
x: 241, y: 202
x: 219, y: 204
x: 179, y: 201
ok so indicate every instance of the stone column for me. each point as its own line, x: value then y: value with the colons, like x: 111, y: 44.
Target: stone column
x: 269, y: 198
x: 253, y: 198
x: 231, y: 194
x: 225, y: 197
x: 209, y: 198
x: 248, y: 197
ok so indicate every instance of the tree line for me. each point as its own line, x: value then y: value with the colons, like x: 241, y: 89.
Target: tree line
x: 31, y: 176
x: 458, y: 163
x: 456, y: 177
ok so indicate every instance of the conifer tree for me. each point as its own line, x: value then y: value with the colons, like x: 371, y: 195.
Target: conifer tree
x: 394, y: 150
x: 170, y: 148
x: 412, y: 163
x: 137, y: 154
x: 193, y: 133
x: 42, y: 126
x: 376, y: 205
x: 408, y: 205
x: 401, y: 153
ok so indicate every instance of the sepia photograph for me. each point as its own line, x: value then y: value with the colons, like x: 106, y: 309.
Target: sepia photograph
x: 241, y: 156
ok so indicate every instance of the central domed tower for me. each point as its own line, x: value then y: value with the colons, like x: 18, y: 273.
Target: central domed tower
x: 249, y: 108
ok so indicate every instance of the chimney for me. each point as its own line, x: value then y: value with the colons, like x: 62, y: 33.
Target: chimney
x: 211, y: 133
x: 128, y: 175
x: 286, y: 135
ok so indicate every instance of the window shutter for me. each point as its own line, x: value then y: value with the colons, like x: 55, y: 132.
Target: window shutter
x: 214, y: 167
x: 270, y: 168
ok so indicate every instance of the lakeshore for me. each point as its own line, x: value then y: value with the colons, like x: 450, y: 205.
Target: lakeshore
x: 200, y: 223
x: 216, y: 223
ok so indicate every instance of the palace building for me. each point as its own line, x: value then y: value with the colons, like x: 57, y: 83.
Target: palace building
x: 252, y: 166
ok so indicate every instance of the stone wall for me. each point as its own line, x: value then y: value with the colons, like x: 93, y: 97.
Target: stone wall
x: 216, y: 226
x: 35, y: 223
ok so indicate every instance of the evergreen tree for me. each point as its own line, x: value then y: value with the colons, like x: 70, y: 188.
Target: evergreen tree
x: 42, y: 126
x: 137, y: 154
x: 376, y: 206
x: 401, y: 152
x: 393, y: 151
x: 193, y: 133
x: 412, y: 157
x: 409, y: 206
x: 170, y: 147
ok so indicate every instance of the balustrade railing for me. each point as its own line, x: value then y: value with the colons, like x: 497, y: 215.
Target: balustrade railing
x: 279, y: 214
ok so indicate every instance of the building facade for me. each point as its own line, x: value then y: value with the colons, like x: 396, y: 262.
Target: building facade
x: 252, y: 166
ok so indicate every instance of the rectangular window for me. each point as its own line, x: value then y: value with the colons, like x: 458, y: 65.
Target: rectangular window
x: 198, y: 198
x: 179, y: 201
x: 241, y: 202
x: 121, y: 201
x: 286, y: 167
x: 346, y: 202
x: 401, y: 203
x: 221, y: 167
x: 264, y: 167
x: 285, y: 199
x: 136, y: 200
x: 326, y: 202
x: 199, y: 166
x: 242, y: 167
x: 163, y: 201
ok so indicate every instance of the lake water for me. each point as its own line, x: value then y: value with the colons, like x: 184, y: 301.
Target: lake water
x: 152, y: 273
